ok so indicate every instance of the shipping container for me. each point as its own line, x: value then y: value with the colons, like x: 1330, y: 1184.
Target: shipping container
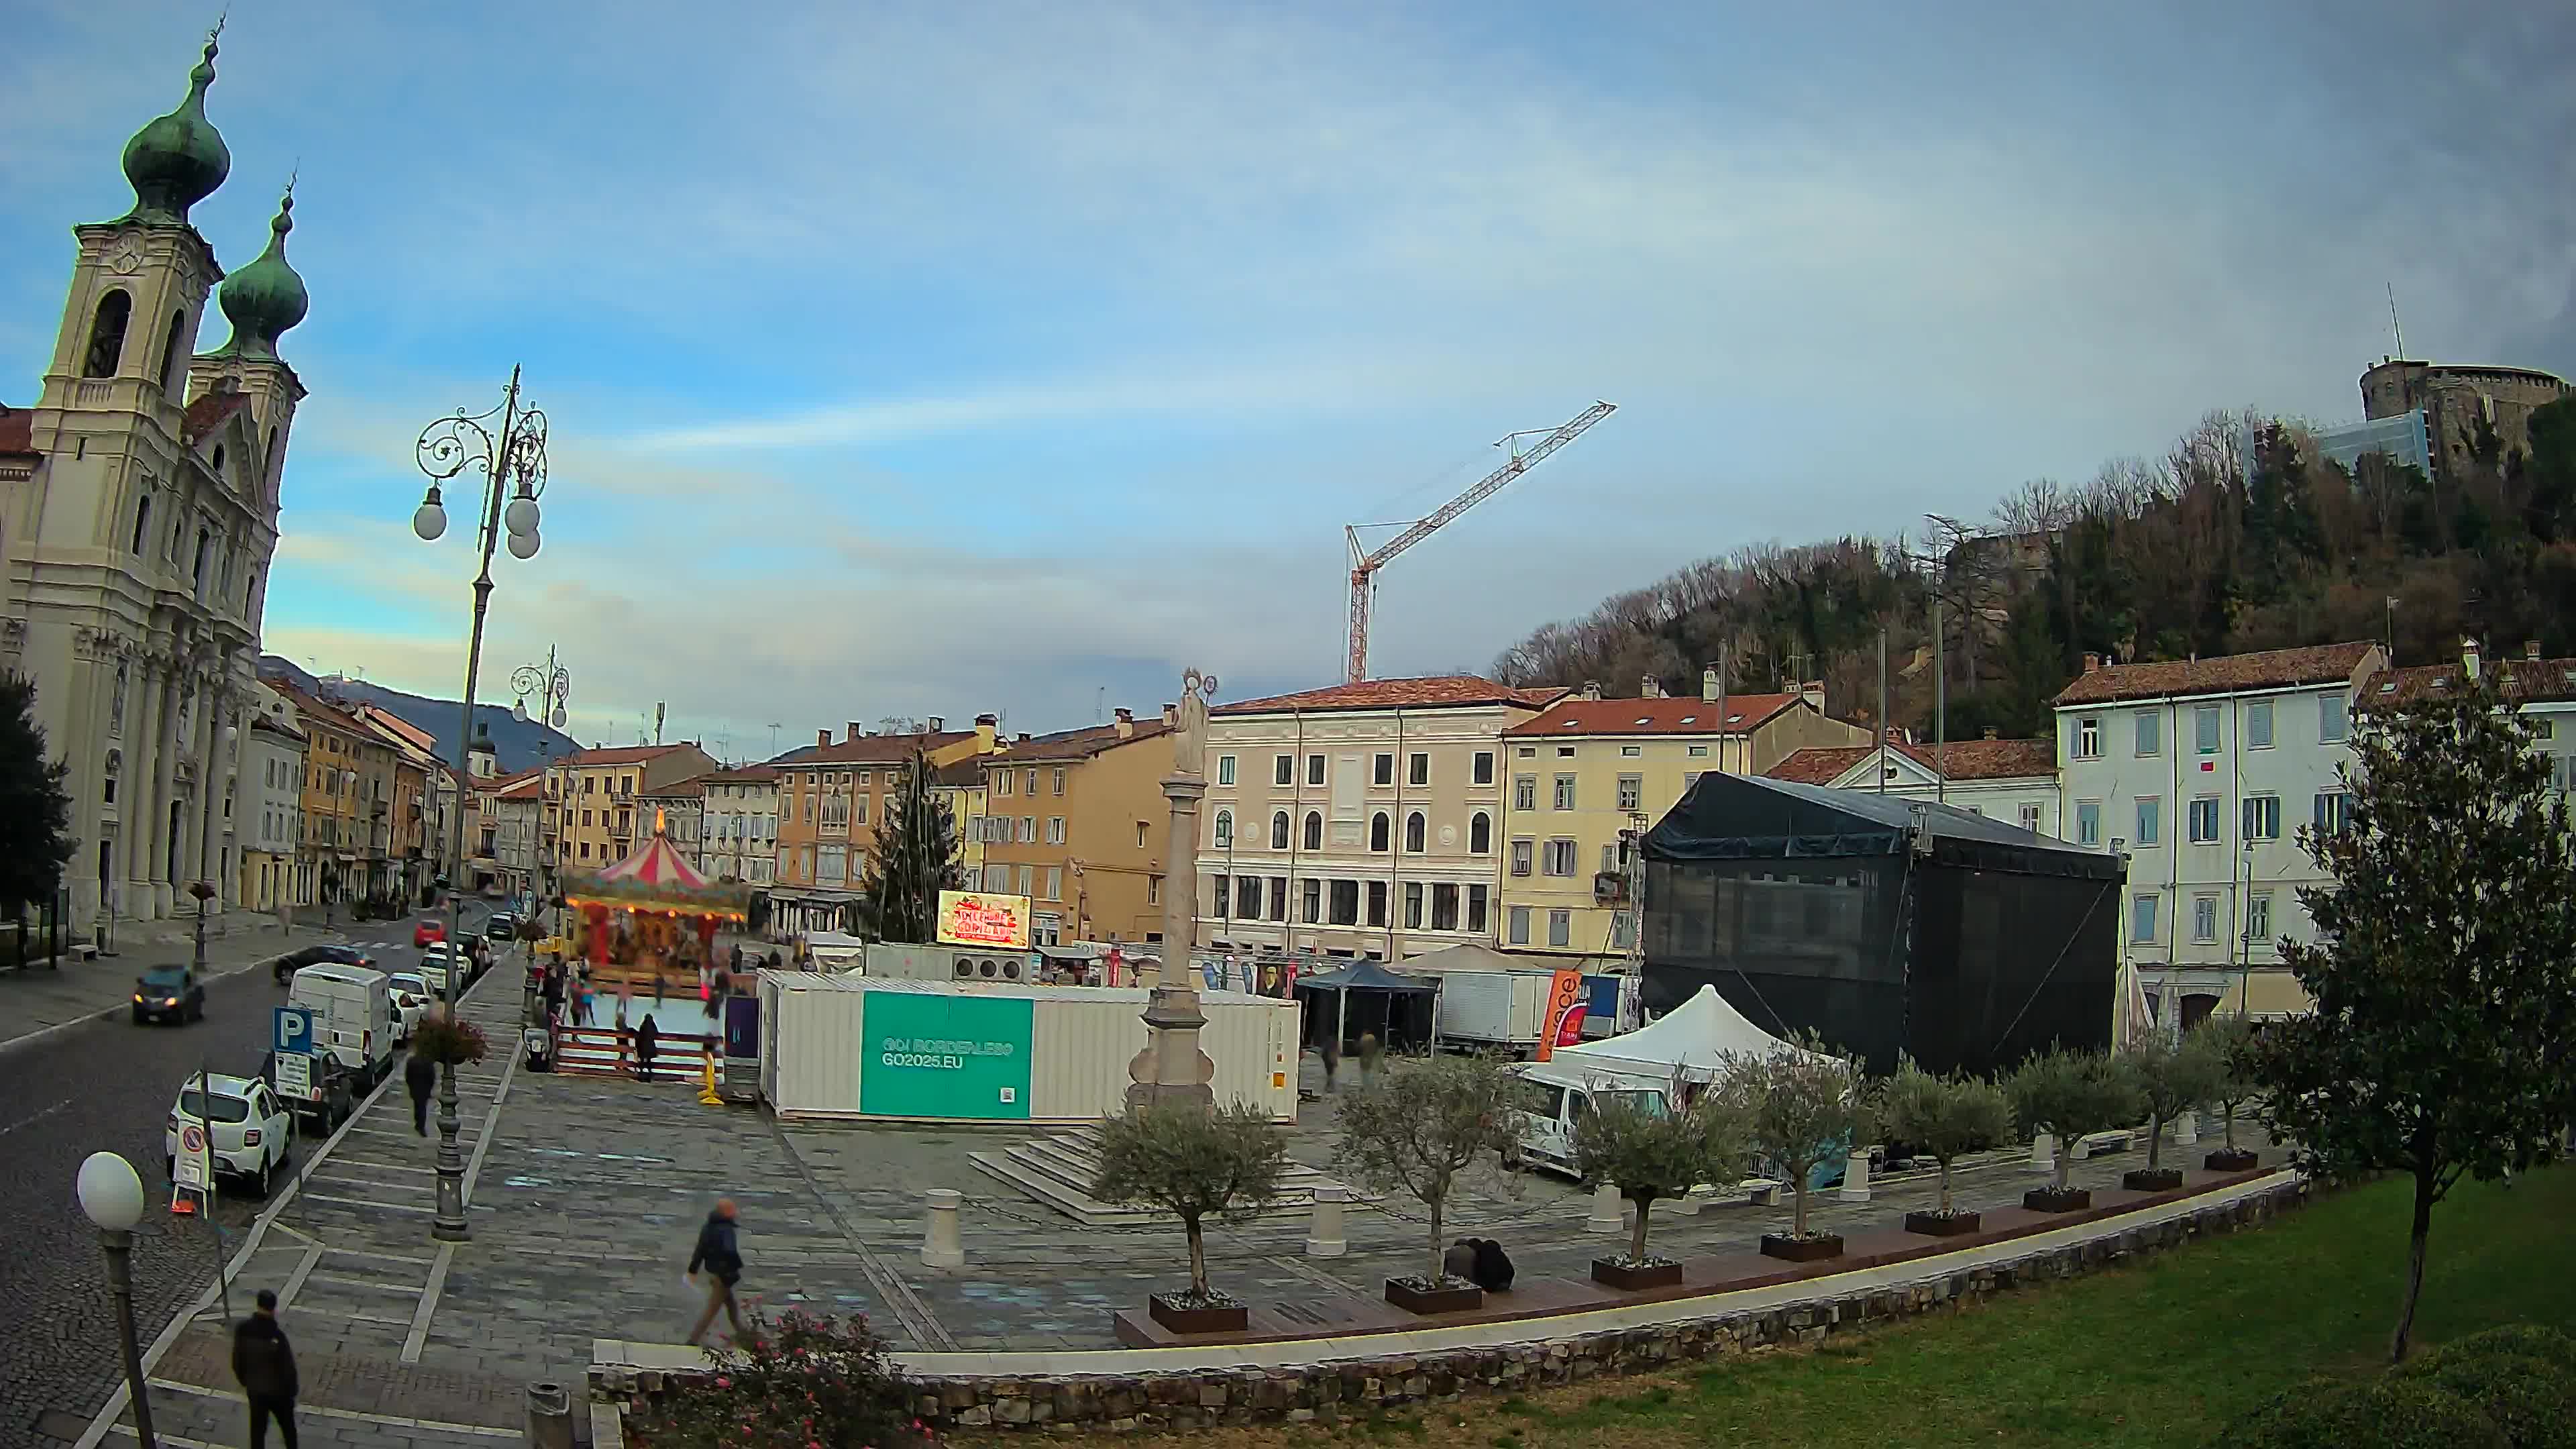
x: 867, y: 1048
x: 1494, y: 1008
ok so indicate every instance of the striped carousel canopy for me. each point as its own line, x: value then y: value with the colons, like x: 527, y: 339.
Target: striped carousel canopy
x: 658, y: 878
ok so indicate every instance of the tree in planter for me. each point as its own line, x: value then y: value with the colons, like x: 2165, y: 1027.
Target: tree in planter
x: 35, y: 806
x: 1804, y: 1104
x: 2230, y: 1043
x: 1659, y: 1150
x: 915, y: 859
x: 2071, y: 1095
x: 1416, y: 1125
x: 1195, y: 1165
x: 2443, y: 967
x: 2173, y: 1077
x: 1945, y: 1118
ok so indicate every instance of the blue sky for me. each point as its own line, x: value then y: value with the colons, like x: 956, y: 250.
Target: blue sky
x: 932, y: 359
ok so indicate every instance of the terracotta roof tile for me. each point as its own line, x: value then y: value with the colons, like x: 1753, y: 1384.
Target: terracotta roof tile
x: 208, y: 412
x: 880, y: 749
x: 1079, y: 744
x: 2524, y: 679
x: 17, y: 430
x: 1668, y: 716
x: 620, y: 754
x: 1434, y: 691
x: 1966, y: 759
x: 747, y: 775
x: 964, y: 775
x: 2226, y: 674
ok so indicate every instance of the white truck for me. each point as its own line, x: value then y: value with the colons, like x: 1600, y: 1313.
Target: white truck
x: 1493, y: 1008
x: 353, y: 1018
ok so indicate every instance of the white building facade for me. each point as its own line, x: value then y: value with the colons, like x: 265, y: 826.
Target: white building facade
x: 2014, y: 781
x: 268, y: 811
x: 2202, y: 772
x: 740, y: 822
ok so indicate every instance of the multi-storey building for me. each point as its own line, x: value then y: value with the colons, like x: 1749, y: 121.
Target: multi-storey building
x: 138, y: 514
x: 502, y: 852
x: 2543, y: 690
x: 677, y: 810
x: 417, y: 844
x: 741, y: 819
x: 1587, y: 775
x: 269, y: 812
x: 961, y: 786
x: 2202, y: 772
x: 2009, y: 780
x: 348, y: 790
x: 592, y: 799
x: 1359, y: 820
x: 831, y: 801
x: 2460, y: 407
x: 1077, y: 821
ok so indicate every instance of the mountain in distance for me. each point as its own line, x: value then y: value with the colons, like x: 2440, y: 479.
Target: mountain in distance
x: 515, y: 745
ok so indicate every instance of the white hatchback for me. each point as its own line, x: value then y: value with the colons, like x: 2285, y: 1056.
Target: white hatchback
x: 248, y: 1132
x: 412, y: 1000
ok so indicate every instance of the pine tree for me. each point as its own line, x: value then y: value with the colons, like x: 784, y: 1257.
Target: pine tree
x: 35, y: 806
x: 2443, y: 964
x: 915, y: 859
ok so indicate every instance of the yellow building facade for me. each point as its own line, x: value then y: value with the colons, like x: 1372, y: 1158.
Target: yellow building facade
x: 590, y: 819
x: 1077, y: 822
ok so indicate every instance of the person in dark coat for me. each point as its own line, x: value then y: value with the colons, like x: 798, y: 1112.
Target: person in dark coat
x: 1493, y: 1271
x: 645, y: 1037
x: 720, y: 1254
x: 420, y: 1074
x: 264, y: 1366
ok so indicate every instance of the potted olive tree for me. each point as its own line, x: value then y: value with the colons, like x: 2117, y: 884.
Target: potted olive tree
x: 2173, y: 1077
x: 1945, y: 1119
x: 1804, y: 1106
x: 2230, y: 1040
x: 2069, y: 1094
x: 1412, y: 1128
x: 1657, y: 1148
x: 1194, y: 1164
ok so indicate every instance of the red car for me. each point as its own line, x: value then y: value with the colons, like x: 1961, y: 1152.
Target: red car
x: 427, y: 933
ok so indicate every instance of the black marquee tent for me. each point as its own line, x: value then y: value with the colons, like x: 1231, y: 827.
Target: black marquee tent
x: 1884, y: 924
x: 1365, y: 997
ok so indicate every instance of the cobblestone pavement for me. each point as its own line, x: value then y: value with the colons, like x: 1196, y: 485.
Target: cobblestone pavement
x: 106, y: 1084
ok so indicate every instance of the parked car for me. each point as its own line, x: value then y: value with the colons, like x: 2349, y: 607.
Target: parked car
x: 354, y: 1017
x: 427, y: 932
x: 412, y: 1000
x: 444, y: 972
x: 319, y: 955
x: 335, y: 1097
x: 249, y: 1134
x: 169, y: 993
x: 502, y: 928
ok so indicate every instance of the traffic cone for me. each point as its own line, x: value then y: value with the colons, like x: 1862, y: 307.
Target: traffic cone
x: 182, y: 1205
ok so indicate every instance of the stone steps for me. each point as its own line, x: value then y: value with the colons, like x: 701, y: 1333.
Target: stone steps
x: 1057, y: 1170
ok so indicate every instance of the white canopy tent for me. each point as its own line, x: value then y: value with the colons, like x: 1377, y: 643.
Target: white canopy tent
x: 1693, y: 1039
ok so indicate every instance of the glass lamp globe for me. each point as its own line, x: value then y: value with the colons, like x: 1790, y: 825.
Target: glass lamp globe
x: 521, y: 515
x: 110, y: 1194
x: 561, y: 716
x: 523, y: 545
x: 430, y: 520
x: 519, y: 711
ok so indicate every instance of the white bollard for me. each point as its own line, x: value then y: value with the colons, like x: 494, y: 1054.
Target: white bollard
x: 940, y: 1246
x: 2043, y: 1153
x: 1324, y: 1231
x: 1687, y: 1205
x: 1605, y: 1211
x: 2187, y: 1128
x: 1855, y: 1178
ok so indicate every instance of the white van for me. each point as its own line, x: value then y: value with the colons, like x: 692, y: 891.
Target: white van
x: 1552, y: 1099
x: 353, y: 1011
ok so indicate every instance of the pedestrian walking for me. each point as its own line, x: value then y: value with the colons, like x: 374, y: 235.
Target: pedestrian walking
x: 719, y: 1253
x: 264, y: 1366
x: 645, y: 1037
x: 420, y: 1074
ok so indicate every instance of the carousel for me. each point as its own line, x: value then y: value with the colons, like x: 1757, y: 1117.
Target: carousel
x: 649, y: 922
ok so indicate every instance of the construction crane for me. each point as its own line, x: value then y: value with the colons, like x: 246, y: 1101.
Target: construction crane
x: 1365, y: 562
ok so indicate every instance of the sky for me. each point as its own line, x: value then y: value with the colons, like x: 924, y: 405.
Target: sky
x: 937, y: 359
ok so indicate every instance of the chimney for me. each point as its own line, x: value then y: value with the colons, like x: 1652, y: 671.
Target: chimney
x: 1171, y: 716
x: 988, y: 728
x: 1708, y: 686
x: 1990, y: 732
x: 1650, y: 688
x: 1813, y: 692
x: 1592, y: 689
x: 2469, y: 657
x: 822, y: 737
x: 938, y: 724
x: 1022, y: 740
x: 2092, y: 662
x: 2531, y: 649
x: 854, y: 730
x: 1126, y: 724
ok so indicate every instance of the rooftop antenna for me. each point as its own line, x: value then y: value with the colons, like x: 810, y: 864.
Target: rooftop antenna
x: 773, y: 739
x: 1099, y: 704
x: 2393, y: 325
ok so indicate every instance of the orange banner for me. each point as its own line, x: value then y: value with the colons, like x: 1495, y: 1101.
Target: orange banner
x: 1564, y: 995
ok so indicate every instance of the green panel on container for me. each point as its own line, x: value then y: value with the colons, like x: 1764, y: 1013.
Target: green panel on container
x: 946, y: 1056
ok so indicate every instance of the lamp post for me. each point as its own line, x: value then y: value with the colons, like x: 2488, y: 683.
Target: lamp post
x: 513, y: 465
x: 204, y: 893
x: 551, y: 683
x: 111, y: 1196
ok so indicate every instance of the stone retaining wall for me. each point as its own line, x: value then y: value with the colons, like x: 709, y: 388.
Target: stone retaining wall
x: 1358, y: 1387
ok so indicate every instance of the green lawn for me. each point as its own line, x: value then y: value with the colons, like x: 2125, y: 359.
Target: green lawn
x: 2165, y: 1353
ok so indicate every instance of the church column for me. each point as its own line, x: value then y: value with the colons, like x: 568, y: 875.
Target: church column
x: 139, y: 808
x: 174, y: 702
x: 206, y: 863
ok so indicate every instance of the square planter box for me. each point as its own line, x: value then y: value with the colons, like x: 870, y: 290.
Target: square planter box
x: 1938, y: 1225
x: 1636, y: 1279
x: 2053, y: 1200
x: 1455, y: 1299
x: 1209, y: 1318
x: 2161, y: 1179
x: 2238, y: 1160
x: 1801, y: 1250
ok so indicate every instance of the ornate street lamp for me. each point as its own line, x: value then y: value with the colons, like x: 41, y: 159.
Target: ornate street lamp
x: 507, y: 445
x: 111, y: 1196
x: 551, y: 683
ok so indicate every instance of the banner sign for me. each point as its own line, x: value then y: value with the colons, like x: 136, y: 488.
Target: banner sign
x: 1564, y: 1000
x: 973, y: 918
x: 946, y: 1056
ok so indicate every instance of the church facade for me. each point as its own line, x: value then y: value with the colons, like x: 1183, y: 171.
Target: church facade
x: 138, y: 515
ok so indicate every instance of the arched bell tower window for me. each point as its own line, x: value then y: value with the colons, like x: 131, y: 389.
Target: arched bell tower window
x: 107, y: 335
x: 170, y: 351
x: 219, y: 460
x: 142, y: 523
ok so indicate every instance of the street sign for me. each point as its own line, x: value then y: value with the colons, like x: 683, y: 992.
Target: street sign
x: 295, y: 1076
x: 294, y: 1031
x: 188, y: 1169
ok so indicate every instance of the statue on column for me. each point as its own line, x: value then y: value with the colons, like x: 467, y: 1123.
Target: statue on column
x: 1172, y: 1070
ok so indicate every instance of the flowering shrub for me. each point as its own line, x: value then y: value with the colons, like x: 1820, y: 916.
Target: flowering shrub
x: 449, y: 1040
x: 805, y: 1381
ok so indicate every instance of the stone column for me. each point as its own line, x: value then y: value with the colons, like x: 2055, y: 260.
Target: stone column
x: 165, y: 757
x: 209, y: 812
x: 941, y: 1247
x: 1184, y: 788
x: 134, y: 787
x: 1171, y: 1070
